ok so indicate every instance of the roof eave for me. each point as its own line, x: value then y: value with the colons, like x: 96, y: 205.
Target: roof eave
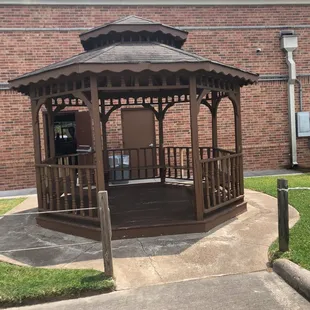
x: 246, y: 77
x: 133, y: 28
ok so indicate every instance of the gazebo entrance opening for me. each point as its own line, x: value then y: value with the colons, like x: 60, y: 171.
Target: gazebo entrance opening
x: 137, y: 66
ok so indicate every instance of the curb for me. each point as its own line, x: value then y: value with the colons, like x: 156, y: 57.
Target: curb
x: 294, y: 275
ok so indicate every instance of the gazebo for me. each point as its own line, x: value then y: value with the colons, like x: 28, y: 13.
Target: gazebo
x: 134, y: 62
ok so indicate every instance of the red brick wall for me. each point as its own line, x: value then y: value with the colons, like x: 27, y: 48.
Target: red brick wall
x: 264, y: 106
x: 16, y: 156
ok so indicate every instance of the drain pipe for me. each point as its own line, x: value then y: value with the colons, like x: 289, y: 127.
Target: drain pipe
x: 289, y: 43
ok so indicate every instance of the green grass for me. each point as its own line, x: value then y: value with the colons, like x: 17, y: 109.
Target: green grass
x: 299, y: 251
x: 26, y: 285
x: 8, y: 204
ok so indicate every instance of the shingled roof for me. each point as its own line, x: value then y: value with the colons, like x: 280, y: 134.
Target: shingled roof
x: 134, y: 56
x: 132, y: 24
x: 125, y: 53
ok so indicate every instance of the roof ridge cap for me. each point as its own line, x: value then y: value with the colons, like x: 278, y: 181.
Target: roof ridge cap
x: 137, y: 17
x: 121, y: 19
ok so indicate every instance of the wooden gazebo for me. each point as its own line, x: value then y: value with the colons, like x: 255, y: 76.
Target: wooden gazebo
x: 129, y: 63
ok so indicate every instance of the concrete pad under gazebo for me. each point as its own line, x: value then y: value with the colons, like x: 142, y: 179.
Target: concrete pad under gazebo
x: 130, y: 63
x: 240, y: 246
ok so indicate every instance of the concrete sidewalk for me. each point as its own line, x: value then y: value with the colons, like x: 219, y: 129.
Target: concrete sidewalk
x: 238, y: 246
x: 256, y: 291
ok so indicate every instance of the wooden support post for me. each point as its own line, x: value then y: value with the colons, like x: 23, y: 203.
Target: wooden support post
x: 197, y: 167
x: 238, y: 138
x: 161, y: 142
x: 104, y: 120
x: 283, y: 219
x: 214, y: 124
x: 50, y: 128
x: 97, y: 133
x: 235, y: 99
x: 37, y: 149
x: 106, y: 232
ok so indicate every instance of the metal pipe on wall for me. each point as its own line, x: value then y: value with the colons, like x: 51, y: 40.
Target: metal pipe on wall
x: 289, y: 43
x: 271, y: 78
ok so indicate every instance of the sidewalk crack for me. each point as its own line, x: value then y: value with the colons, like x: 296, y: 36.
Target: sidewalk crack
x: 151, y: 260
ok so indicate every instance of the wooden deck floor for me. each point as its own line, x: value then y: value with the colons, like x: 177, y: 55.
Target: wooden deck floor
x: 144, y: 204
x: 141, y: 210
x: 150, y: 204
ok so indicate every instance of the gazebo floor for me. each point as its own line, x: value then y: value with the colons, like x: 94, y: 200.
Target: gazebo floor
x: 150, y: 204
x: 149, y: 209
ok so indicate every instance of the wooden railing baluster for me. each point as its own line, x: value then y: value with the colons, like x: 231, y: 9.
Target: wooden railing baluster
x: 81, y: 194
x: 50, y: 188
x: 207, y: 188
x: 175, y: 162
x: 233, y: 176
x: 122, y: 166
x: 201, y: 153
x: 217, y: 170
x: 228, y: 178
x: 145, y: 163
x: 42, y: 173
x: 213, y: 203
x: 241, y: 175
x: 188, y: 163
x: 57, y: 180
x: 72, y: 187
x: 65, y: 187
x: 153, y: 154
x: 130, y: 159
x: 114, y: 166
x: 138, y: 159
x: 89, y: 192
x: 223, y: 168
x: 169, y: 162
x: 237, y: 176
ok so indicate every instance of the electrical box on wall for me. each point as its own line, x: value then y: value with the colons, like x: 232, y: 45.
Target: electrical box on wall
x: 303, y: 124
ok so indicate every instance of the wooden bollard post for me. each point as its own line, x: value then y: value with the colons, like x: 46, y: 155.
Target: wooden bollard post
x: 283, y: 221
x: 106, y: 232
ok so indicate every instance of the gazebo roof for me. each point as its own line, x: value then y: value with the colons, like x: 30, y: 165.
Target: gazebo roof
x: 132, y: 24
x: 134, y: 56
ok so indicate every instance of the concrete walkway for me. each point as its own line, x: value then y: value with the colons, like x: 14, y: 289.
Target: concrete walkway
x: 239, y: 246
x: 256, y: 291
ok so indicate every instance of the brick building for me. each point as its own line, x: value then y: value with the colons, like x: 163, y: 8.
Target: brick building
x: 245, y: 34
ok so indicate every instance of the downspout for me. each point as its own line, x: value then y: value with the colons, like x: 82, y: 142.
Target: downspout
x: 289, y: 43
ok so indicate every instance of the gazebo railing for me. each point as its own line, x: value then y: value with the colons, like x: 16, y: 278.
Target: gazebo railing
x: 143, y: 163
x: 71, y: 159
x: 178, y: 160
x: 132, y: 163
x: 222, y: 180
x: 69, y: 181
x: 68, y: 187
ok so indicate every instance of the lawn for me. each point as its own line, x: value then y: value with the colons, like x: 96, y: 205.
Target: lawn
x: 8, y: 204
x: 26, y: 285
x: 300, y: 234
